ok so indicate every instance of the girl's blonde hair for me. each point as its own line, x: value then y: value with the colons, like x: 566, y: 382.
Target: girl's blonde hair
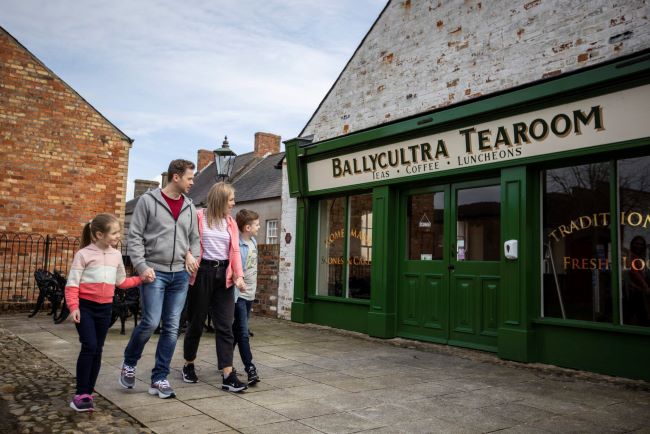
x: 101, y: 223
x: 218, y: 203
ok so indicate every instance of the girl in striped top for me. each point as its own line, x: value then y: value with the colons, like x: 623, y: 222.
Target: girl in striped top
x: 95, y: 271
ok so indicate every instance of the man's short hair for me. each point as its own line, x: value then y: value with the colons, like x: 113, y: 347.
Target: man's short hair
x: 245, y: 217
x: 178, y: 167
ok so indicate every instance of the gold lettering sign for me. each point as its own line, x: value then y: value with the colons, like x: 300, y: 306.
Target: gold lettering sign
x: 338, y: 260
x: 602, y: 219
x: 627, y: 264
x: 340, y: 233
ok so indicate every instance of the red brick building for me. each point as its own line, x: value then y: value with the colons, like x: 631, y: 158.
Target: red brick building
x: 63, y: 162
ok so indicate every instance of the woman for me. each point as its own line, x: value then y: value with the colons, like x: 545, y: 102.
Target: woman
x: 212, y: 285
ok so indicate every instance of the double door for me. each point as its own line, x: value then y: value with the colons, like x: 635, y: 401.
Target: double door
x: 449, y: 260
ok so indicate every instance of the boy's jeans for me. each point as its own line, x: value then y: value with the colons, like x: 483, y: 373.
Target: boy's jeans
x: 163, y: 299
x: 240, y: 331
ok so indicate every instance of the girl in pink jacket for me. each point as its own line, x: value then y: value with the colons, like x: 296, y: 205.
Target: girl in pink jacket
x: 96, y: 270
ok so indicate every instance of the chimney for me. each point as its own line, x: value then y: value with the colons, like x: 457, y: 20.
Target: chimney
x: 203, y: 158
x: 266, y: 143
x: 142, y: 186
x: 164, y: 179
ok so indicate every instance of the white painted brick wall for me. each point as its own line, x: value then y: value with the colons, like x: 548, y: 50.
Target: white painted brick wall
x: 422, y: 55
x: 287, y: 251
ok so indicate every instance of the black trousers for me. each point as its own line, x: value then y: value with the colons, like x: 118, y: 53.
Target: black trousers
x: 209, y: 294
x: 92, y: 328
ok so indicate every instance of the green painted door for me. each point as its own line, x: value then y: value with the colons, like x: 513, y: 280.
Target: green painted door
x: 449, y: 277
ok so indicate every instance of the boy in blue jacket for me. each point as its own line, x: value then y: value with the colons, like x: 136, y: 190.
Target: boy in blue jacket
x: 249, y: 224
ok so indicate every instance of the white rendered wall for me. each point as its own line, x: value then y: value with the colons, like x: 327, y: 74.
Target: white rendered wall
x: 423, y: 55
x: 287, y: 251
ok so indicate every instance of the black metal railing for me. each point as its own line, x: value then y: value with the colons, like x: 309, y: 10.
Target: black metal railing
x: 23, y: 253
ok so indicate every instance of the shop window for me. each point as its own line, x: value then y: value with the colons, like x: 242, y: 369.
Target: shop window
x: 577, y: 243
x: 345, y: 246
x: 271, y: 232
x: 426, y: 226
x: 634, y: 208
x: 478, y: 224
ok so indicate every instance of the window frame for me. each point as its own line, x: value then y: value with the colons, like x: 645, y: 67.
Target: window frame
x: 615, y: 235
x: 314, y: 278
x: 267, y: 236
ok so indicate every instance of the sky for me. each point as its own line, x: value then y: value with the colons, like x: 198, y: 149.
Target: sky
x: 177, y: 76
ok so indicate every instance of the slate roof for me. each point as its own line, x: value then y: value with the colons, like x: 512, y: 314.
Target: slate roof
x: 254, y: 178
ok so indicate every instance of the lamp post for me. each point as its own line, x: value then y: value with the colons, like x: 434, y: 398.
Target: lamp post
x: 224, y: 160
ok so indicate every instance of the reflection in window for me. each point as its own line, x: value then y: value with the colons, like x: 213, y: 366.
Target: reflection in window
x: 360, y: 245
x: 478, y: 224
x: 634, y: 208
x: 345, y: 246
x: 577, y: 243
x: 331, y: 246
x: 425, y: 214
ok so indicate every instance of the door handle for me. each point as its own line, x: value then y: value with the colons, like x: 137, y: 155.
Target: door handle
x: 451, y: 268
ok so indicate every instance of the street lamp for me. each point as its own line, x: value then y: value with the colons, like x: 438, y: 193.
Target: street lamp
x: 224, y: 160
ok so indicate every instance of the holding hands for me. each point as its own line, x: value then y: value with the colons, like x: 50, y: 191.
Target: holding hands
x: 191, y: 264
x: 148, y: 276
x: 239, y: 283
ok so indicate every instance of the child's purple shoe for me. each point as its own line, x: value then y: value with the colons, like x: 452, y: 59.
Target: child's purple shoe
x: 82, y: 403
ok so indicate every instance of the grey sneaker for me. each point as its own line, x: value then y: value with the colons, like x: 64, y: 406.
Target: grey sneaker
x: 127, y: 376
x: 163, y: 389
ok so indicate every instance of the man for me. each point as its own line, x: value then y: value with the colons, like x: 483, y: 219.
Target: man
x: 163, y: 242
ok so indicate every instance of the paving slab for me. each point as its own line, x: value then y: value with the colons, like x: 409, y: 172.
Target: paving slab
x: 315, y: 379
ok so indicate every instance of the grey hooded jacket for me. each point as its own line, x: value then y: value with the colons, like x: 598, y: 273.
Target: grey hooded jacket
x: 158, y: 241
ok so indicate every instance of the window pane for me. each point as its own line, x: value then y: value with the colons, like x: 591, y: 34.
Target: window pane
x: 360, y: 246
x: 425, y: 214
x: 478, y: 226
x: 634, y: 206
x: 577, y: 243
x: 330, y: 247
x: 271, y: 232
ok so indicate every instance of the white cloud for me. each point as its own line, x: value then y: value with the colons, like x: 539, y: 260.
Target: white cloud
x: 177, y: 76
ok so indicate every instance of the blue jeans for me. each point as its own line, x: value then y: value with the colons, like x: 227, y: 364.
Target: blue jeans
x: 240, y: 331
x: 163, y: 299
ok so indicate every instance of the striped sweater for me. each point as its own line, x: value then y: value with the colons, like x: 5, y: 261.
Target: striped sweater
x: 94, y: 274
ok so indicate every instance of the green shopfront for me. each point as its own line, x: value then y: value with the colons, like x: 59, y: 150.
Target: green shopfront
x: 518, y: 223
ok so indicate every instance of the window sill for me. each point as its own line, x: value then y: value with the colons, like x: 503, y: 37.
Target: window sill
x: 593, y: 326
x: 339, y: 299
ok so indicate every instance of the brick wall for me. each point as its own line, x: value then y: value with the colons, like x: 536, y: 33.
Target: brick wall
x: 423, y: 55
x: 62, y: 160
x: 266, y: 297
x: 266, y: 143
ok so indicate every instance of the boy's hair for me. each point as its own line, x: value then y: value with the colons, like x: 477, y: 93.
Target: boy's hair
x: 101, y: 223
x: 178, y: 167
x: 245, y: 217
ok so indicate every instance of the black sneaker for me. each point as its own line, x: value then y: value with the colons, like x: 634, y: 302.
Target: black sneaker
x: 189, y: 375
x: 232, y: 383
x: 253, y: 378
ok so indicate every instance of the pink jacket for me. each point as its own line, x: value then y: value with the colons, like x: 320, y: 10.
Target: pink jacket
x: 234, y: 256
x: 94, y: 274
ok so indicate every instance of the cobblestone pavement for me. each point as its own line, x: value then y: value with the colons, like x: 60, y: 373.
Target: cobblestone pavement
x: 315, y: 379
x: 36, y: 393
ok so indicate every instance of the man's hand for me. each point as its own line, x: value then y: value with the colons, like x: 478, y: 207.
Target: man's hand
x: 76, y: 315
x: 239, y: 283
x: 148, y: 278
x: 191, y: 264
x: 148, y: 275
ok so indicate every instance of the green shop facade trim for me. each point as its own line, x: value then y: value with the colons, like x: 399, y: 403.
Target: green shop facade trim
x: 511, y: 224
